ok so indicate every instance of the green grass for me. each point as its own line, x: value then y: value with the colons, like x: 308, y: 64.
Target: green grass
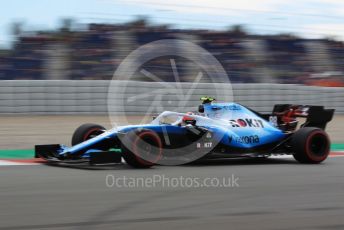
x: 17, y: 154
x: 29, y: 153
x: 337, y: 147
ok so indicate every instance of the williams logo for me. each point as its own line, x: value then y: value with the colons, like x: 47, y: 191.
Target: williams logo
x: 247, y: 122
x: 232, y: 107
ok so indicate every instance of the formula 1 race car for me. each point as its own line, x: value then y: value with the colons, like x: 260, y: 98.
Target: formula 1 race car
x: 217, y: 130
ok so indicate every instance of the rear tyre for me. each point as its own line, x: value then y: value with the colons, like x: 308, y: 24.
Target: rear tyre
x: 86, y: 132
x: 145, y: 149
x: 310, y: 145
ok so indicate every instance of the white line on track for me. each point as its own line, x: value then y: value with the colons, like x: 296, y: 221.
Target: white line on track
x: 11, y: 163
x: 21, y: 163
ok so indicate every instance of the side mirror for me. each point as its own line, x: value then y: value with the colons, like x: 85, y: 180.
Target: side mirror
x: 201, y: 109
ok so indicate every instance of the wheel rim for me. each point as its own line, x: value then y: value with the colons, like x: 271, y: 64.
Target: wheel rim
x: 145, y: 152
x: 92, y: 133
x: 318, y: 145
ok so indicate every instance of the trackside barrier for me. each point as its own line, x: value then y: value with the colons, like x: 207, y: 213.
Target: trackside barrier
x: 90, y: 97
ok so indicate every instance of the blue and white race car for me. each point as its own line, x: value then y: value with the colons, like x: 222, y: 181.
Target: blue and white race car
x: 217, y: 130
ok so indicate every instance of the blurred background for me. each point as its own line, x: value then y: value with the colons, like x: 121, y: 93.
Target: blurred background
x: 256, y: 41
x: 56, y: 60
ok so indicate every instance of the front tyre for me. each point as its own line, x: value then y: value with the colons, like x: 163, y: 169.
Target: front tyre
x: 86, y: 132
x: 143, y: 150
x: 310, y: 145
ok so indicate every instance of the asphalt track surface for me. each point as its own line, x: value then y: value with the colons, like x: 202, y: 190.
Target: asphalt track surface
x: 272, y: 194
x: 276, y: 194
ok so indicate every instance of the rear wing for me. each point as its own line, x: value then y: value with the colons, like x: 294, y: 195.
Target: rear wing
x: 316, y: 116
